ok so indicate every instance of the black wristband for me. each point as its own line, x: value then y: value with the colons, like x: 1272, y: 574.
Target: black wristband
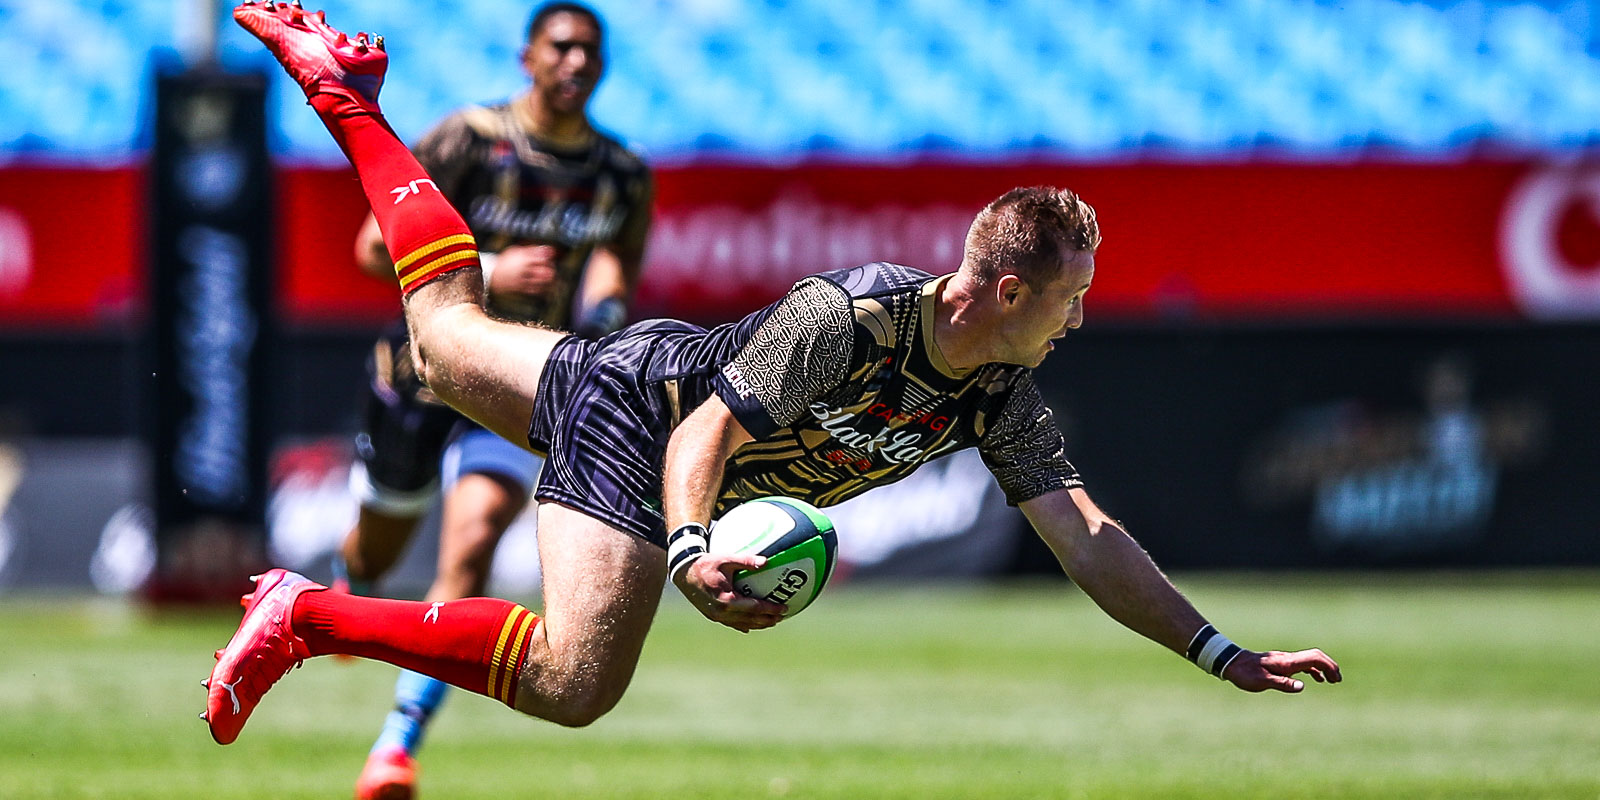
x: 1211, y: 651
x: 685, y: 545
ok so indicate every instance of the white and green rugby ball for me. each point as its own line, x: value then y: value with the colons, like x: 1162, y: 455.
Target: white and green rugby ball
x: 797, y: 540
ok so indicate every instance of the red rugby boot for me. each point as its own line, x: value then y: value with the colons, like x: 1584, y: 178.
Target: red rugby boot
x: 260, y: 652
x: 390, y: 774
x: 316, y: 56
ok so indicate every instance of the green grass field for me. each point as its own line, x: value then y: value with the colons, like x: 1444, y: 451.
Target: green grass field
x: 1469, y: 686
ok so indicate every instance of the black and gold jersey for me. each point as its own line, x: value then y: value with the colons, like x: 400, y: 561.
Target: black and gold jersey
x: 840, y: 382
x: 844, y: 388
x: 512, y: 188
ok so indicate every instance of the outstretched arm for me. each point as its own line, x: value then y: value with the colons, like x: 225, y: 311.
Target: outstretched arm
x: 1110, y: 567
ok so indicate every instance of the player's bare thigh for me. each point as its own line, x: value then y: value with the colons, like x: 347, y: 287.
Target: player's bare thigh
x: 485, y: 368
x: 601, y: 590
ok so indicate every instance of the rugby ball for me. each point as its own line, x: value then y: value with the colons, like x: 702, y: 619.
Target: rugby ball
x: 797, y: 540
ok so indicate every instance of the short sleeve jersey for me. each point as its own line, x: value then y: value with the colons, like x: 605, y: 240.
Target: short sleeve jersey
x: 844, y: 388
x: 513, y: 189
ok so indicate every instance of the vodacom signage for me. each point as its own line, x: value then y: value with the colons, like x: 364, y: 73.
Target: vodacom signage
x: 1550, y: 242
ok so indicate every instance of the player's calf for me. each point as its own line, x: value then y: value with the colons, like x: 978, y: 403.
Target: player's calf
x: 479, y: 644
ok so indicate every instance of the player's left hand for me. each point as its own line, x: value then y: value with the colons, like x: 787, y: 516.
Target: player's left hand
x: 1258, y: 672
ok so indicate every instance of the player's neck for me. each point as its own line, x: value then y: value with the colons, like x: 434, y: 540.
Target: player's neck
x: 553, y: 127
x: 960, y: 326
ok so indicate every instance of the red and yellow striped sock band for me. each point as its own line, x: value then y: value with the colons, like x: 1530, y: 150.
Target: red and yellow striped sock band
x: 510, y: 650
x: 434, y: 259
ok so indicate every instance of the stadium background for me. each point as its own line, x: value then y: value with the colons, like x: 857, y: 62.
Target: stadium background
x: 1336, y: 375
x: 1345, y: 314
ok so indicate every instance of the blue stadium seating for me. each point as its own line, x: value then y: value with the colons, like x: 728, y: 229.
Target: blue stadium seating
x: 884, y: 79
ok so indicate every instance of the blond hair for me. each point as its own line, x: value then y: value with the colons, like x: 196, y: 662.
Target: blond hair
x: 1029, y: 231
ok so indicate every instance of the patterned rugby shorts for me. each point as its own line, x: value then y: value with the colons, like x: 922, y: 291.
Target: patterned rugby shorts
x: 603, y: 424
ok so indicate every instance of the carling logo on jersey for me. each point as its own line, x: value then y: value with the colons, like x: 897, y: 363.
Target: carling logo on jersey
x: 559, y: 220
x: 894, y: 446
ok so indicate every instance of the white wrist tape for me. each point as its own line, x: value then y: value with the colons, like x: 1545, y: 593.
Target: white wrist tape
x: 686, y: 544
x: 1211, y: 651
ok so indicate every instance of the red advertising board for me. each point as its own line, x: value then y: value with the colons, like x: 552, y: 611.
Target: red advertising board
x: 319, y: 214
x: 72, y: 247
x: 1212, y: 242
x: 1246, y: 242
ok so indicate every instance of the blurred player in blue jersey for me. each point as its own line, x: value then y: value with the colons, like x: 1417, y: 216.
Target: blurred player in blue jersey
x: 851, y: 380
x: 560, y: 212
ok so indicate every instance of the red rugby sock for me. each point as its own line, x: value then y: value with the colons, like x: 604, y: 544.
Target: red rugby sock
x: 478, y: 644
x: 425, y: 235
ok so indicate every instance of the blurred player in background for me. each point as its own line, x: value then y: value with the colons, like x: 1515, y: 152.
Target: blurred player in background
x: 561, y: 212
x: 851, y: 380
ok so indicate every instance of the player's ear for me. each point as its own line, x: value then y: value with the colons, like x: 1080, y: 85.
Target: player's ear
x: 1008, y: 289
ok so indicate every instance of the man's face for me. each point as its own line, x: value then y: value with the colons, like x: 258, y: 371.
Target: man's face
x: 1034, y: 319
x: 564, y: 62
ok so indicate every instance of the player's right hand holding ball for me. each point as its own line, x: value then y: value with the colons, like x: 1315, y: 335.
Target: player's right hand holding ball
x: 708, y: 583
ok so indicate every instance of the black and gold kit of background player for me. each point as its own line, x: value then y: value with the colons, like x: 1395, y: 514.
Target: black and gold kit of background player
x: 840, y: 382
x: 512, y: 189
